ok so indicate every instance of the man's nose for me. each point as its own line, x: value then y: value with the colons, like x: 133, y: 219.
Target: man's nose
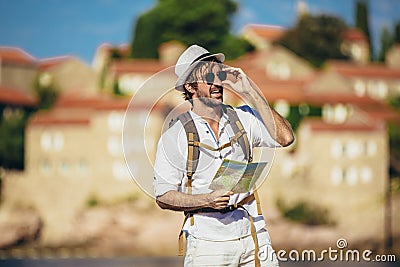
x: 217, y: 81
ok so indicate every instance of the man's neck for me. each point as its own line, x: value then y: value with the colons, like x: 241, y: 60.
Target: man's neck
x: 210, y: 114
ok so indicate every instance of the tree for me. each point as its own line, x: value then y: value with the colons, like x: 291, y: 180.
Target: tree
x: 362, y: 21
x: 316, y: 38
x: 45, y: 91
x: 397, y: 33
x: 12, y: 128
x: 386, y: 42
x: 204, y: 22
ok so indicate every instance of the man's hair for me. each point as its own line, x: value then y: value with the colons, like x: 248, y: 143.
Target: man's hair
x: 194, y: 76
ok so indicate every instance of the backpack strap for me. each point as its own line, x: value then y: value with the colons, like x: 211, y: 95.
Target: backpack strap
x: 241, y: 135
x: 193, y: 150
x: 193, y: 158
x: 193, y: 147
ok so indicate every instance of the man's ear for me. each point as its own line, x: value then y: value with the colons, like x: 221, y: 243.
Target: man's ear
x: 189, y: 88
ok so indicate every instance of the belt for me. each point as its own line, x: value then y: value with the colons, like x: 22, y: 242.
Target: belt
x: 224, y: 210
x: 227, y: 209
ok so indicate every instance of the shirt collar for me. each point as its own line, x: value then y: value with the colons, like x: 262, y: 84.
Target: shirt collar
x: 199, y: 119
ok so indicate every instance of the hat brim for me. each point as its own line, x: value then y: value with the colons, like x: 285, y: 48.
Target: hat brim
x: 179, y: 85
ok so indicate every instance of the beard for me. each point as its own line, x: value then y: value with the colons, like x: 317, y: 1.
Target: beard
x: 208, y: 100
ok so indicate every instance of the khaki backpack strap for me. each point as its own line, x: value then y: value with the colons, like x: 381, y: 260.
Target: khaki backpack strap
x: 180, y: 238
x: 255, y: 240
x: 257, y: 198
x: 193, y: 150
x: 190, y: 171
x: 241, y: 135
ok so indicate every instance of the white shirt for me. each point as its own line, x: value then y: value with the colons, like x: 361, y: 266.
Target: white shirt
x: 170, y: 173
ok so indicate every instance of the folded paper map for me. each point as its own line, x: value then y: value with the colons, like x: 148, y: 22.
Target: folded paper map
x: 237, y: 176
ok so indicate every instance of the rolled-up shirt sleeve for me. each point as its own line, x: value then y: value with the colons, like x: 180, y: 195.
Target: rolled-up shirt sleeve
x: 259, y: 135
x: 169, y: 167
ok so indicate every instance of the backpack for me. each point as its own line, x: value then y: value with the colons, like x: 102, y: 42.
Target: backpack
x: 194, y: 145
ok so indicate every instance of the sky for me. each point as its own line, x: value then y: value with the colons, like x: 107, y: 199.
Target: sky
x: 50, y: 28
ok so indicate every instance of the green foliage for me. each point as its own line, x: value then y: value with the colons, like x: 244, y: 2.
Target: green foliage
x: 115, y: 53
x: 297, y: 113
x: 394, y: 141
x: 362, y: 20
x: 47, y: 94
x: 397, y: 33
x: 12, y: 128
x: 92, y: 202
x: 116, y: 89
x: 203, y: 22
x: 305, y: 213
x: 387, y: 40
x: 316, y: 38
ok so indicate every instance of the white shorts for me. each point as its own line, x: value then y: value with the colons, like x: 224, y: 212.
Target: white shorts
x: 238, y: 252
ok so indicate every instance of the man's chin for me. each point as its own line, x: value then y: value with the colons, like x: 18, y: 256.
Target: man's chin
x: 212, y: 102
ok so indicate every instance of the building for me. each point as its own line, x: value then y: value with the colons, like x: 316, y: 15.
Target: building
x: 68, y: 74
x: 355, y: 45
x: 262, y: 37
x: 18, y: 69
x: 75, y: 154
x: 79, y: 150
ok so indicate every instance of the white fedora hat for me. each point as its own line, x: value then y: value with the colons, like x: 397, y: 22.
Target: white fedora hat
x: 184, y: 65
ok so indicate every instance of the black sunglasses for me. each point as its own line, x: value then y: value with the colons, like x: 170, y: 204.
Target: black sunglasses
x: 210, y: 77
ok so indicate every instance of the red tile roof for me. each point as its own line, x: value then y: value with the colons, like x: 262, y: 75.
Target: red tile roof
x: 318, y: 125
x: 350, y: 69
x: 16, y: 55
x: 97, y: 102
x: 59, y: 117
x: 354, y: 35
x: 47, y: 63
x: 268, y: 32
x: 14, y: 96
x: 123, y: 49
x: 137, y: 66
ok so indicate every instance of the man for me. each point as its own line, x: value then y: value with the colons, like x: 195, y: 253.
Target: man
x: 224, y: 229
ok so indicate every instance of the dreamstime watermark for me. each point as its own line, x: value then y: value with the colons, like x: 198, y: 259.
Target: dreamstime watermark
x: 340, y: 253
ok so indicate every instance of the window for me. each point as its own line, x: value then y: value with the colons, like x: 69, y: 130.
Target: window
x: 52, y: 141
x: 351, y: 176
x: 377, y: 89
x: 64, y: 167
x: 337, y: 175
x: 283, y: 71
x: 365, y: 174
x: 353, y: 149
x: 115, y: 121
x: 83, y: 167
x: 356, y: 52
x: 381, y: 90
x: 58, y: 141
x: 359, y: 88
x: 45, y: 167
x: 335, y: 113
x: 46, y: 141
x: 304, y: 109
x: 45, y: 79
x: 279, y: 70
x: 130, y: 84
x: 370, y: 148
x: 114, y: 145
x: 340, y: 113
x: 336, y: 149
x: 282, y: 107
